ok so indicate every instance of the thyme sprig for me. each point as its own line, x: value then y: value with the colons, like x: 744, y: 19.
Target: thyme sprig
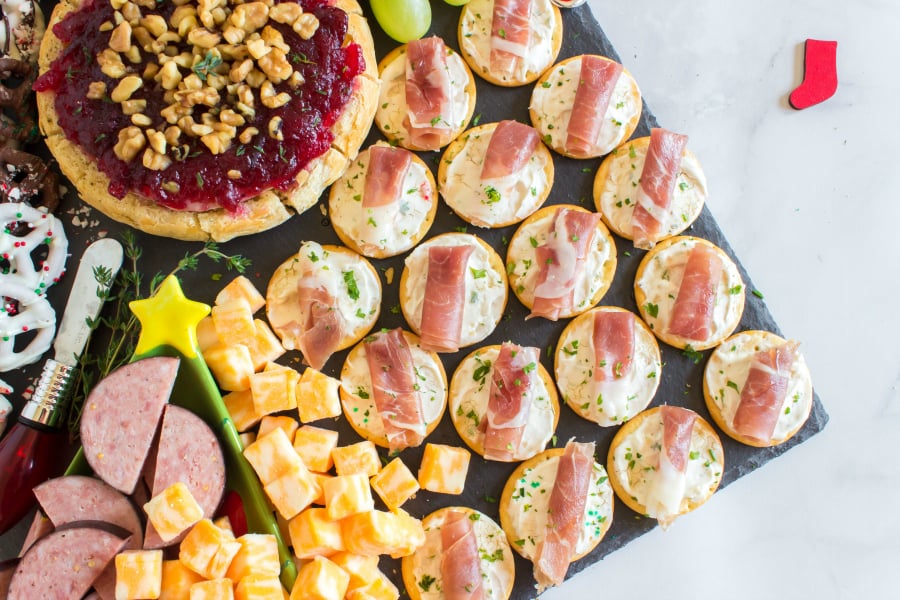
x: 114, y: 332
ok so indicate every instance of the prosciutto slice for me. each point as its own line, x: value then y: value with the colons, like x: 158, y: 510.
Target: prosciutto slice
x: 651, y: 211
x: 509, y: 404
x: 320, y: 326
x: 670, y: 479
x: 692, y: 313
x: 510, y: 33
x: 394, y: 389
x: 511, y: 145
x: 460, y: 565
x: 445, y: 298
x: 384, y: 175
x: 561, y: 261
x: 597, y: 81
x: 613, y: 343
x: 566, y: 514
x: 764, y: 391
x: 428, y: 101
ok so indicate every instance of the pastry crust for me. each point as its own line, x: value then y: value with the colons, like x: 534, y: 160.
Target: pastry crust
x: 574, y: 361
x: 551, y: 130
x: 356, y: 407
x: 345, y: 210
x: 523, y: 274
x: 476, y: 16
x: 615, y: 198
x: 703, y: 438
x: 386, y: 104
x: 502, y: 569
x: 472, y: 136
x: 662, y: 267
x: 467, y: 420
x: 268, y: 209
x: 725, y: 374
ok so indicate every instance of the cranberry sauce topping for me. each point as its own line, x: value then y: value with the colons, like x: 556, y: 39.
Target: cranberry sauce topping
x: 197, y: 179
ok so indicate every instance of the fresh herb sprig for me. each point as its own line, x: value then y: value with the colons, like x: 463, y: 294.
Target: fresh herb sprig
x: 114, y: 332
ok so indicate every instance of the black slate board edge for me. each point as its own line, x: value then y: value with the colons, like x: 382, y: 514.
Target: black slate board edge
x: 486, y: 479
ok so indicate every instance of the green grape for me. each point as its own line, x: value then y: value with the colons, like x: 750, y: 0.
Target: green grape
x: 403, y: 20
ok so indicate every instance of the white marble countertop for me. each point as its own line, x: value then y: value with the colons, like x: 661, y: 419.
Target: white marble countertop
x: 810, y: 201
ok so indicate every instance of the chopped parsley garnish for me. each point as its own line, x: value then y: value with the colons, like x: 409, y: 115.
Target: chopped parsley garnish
x: 426, y: 582
x: 350, y: 282
x: 692, y: 354
x: 652, y: 309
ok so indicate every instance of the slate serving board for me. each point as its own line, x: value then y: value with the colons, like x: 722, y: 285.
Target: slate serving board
x: 681, y: 377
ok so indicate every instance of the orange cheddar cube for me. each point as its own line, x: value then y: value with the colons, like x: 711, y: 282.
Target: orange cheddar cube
x: 177, y: 580
x: 173, y: 511
x: 234, y: 322
x: 230, y: 365
x: 201, y: 545
x: 361, y: 569
x: 269, y: 422
x: 293, y: 491
x: 320, y: 579
x: 214, y: 589
x: 272, y: 455
x: 258, y: 555
x: 240, y: 407
x: 247, y: 438
x: 380, y: 588
x: 221, y: 560
x: 265, y: 347
x: 321, y: 478
x: 274, y: 390
x: 314, y: 534
x: 395, y: 484
x: 241, y: 288
x: 444, y: 469
x: 317, y: 396
x: 138, y: 574
x: 378, y: 532
x: 206, y: 334
x: 224, y: 523
x: 347, y: 495
x: 356, y: 458
x: 314, y: 445
x: 259, y: 587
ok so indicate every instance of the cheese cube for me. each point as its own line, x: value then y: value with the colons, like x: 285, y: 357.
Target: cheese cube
x: 274, y: 391
x: 201, y: 545
x: 221, y: 560
x: 224, y: 523
x: 293, y: 491
x: 320, y: 579
x: 377, y: 532
x: 272, y: 455
x: 444, y: 468
x: 314, y: 445
x: 258, y: 555
x: 243, y: 288
x: 268, y: 423
x: 265, y: 347
x: 361, y: 569
x: 173, y: 511
x: 247, y: 438
x: 314, y: 534
x: 230, y: 365
x: 321, y: 478
x: 177, y: 580
x: 234, y: 322
x: 380, y: 588
x: 138, y: 574
x: 357, y: 458
x: 317, y: 396
x: 240, y: 407
x: 347, y: 495
x: 206, y: 334
x: 395, y: 484
x: 259, y: 587
x: 214, y: 589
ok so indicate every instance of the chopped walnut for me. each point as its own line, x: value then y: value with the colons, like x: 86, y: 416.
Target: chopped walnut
x: 96, y: 90
x: 120, y: 38
x: 131, y: 141
x: 306, y: 25
x: 126, y: 87
x: 275, y: 126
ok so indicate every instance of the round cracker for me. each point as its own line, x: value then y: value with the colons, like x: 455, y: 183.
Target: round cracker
x: 369, y: 427
x: 671, y: 254
x: 264, y: 211
x: 731, y: 357
x: 478, y: 14
x: 467, y: 423
x: 521, y: 248
x: 458, y: 145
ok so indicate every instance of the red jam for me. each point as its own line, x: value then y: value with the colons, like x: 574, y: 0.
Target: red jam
x: 200, y: 177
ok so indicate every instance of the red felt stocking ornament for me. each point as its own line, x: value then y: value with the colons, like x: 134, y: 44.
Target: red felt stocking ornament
x: 819, y: 75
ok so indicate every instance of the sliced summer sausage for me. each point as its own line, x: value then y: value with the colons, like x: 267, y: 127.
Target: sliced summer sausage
x: 189, y: 452
x: 40, y: 527
x: 120, y: 418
